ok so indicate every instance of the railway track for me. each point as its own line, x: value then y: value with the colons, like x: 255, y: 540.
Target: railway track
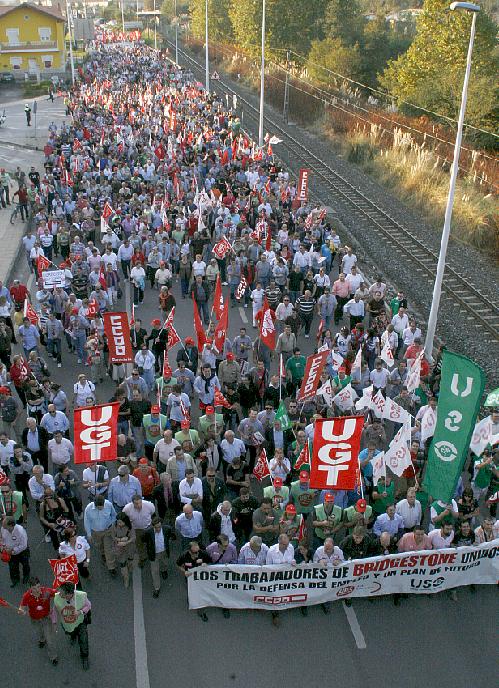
x: 475, y: 307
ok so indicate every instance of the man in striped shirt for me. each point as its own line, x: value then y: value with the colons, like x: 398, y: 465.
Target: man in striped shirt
x: 305, y: 306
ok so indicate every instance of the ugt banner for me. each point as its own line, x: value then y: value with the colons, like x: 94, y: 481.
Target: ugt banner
x: 335, y: 457
x: 117, y: 331
x: 461, y: 388
x: 96, y: 433
x: 282, y: 587
x: 312, y: 375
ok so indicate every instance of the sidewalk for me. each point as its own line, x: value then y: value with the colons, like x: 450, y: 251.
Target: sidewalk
x: 18, y: 146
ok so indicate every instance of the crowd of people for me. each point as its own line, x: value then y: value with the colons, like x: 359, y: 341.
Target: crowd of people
x: 148, y: 177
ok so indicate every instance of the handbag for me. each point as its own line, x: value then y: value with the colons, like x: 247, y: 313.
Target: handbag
x: 5, y: 556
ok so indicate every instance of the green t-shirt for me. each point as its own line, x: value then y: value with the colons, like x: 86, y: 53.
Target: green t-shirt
x: 12, y: 506
x: 394, y: 306
x: 279, y: 499
x: 379, y: 506
x: 206, y: 422
x: 342, y: 383
x: 349, y: 514
x: 296, y: 366
x: 334, y: 519
x: 302, y: 499
x: 70, y: 612
x: 483, y: 476
x: 191, y: 434
x: 154, y: 427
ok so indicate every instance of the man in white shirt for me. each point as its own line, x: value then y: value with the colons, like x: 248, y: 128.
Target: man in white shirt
x: 355, y: 308
x: 60, y: 449
x: 231, y: 447
x: 282, y: 553
x: 38, y: 482
x: 165, y: 450
x: 279, y: 466
x: 389, y: 522
x: 191, y: 489
x: 95, y: 479
x: 6, y: 449
x: 254, y: 552
x: 442, y: 537
x: 349, y: 260
x: 409, y: 510
x: 328, y: 554
x: 140, y: 512
x: 302, y: 260
x: 199, y: 267
x: 378, y: 376
x: 354, y: 280
x: 15, y: 542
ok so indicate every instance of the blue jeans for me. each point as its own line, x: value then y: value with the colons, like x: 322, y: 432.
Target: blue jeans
x: 293, y: 295
x: 204, y: 312
x: 138, y: 436
x: 148, y: 376
x: 54, y: 348
x: 123, y: 427
x: 80, y: 341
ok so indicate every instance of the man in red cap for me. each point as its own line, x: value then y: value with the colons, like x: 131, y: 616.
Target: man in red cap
x: 290, y: 522
x: 188, y: 434
x: 147, y: 476
x: 327, y: 519
x: 361, y: 513
x: 303, y: 497
x: 211, y: 422
x: 154, y: 425
x: 229, y: 372
x: 279, y: 494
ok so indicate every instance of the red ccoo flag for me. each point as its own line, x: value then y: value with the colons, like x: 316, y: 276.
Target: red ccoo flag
x: 261, y: 469
x: 221, y: 248
x: 107, y: 211
x: 65, y: 570
x: 267, y: 327
x: 221, y: 329
x: 42, y: 264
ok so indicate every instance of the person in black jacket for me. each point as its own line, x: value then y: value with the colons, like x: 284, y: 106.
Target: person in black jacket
x: 157, y: 543
x: 359, y: 545
x: 35, y: 440
x: 214, y: 493
x: 270, y: 435
x: 223, y: 521
x: 189, y: 354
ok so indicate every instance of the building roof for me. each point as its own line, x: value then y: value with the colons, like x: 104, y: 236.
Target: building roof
x: 51, y: 11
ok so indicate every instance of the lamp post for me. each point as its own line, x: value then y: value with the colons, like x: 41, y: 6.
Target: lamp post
x: 122, y: 16
x: 206, y: 54
x: 262, y: 80
x: 70, y: 32
x: 176, y: 33
x: 437, y: 288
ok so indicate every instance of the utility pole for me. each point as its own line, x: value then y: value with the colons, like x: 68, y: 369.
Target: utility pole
x: 70, y: 32
x: 207, y: 57
x: 262, y: 80
x: 176, y: 33
x: 285, y: 107
x: 155, y: 27
x: 122, y: 17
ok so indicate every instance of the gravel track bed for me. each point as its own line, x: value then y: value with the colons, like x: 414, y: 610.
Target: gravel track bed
x: 454, y: 328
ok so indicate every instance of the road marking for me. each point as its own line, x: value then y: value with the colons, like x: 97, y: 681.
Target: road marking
x: 30, y: 281
x: 243, y: 315
x: 139, y: 632
x: 355, y: 626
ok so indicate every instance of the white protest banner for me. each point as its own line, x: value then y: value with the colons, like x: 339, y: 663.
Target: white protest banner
x: 234, y: 586
x: 345, y: 399
x: 53, y: 278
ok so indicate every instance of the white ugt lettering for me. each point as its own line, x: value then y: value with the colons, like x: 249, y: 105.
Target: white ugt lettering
x: 97, y: 433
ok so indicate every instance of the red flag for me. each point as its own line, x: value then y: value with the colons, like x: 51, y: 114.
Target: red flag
x: 267, y: 327
x: 102, y: 278
x: 107, y: 211
x: 198, y: 326
x: 30, y: 313
x: 301, y: 530
x: 303, y: 457
x: 167, y: 371
x: 77, y: 145
x: 42, y: 264
x: 220, y: 400
x: 221, y: 329
x: 4, y: 478
x: 221, y: 248
x: 268, y: 241
x: 335, y: 458
x: 117, y: 331
x: 65, y: 570
x: 4, y: 603
x: 173, y: 337
x: 218, y: 299
x: 241, y: 288
x: 313, y: 370
x: 261, y: 469
x: 93, y: 308
x: 302, y: 190
x: 96, y: 433
x: 320, y: 329
x: 159, y: 152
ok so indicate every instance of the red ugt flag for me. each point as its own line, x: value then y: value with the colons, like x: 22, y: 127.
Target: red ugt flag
x: 261, y: 469
x: 267, y: 327
x: 220, y: 400
x: 221, y: 329
x: 335, y: 458
x: 198, y: 326
x: 96, y: 433
x: 65, y: 570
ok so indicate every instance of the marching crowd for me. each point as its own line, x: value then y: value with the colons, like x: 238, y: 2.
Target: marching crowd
x: 153, y: 183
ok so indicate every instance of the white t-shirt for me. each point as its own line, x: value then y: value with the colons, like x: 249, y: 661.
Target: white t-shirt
x: 83, y: 391
x: 439, y: 542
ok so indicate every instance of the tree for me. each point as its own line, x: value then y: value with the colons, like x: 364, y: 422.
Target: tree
x: 219, y: 24
x: 335, y: 56
x: 344, y: 20
x: 168, y: 8
x: 430, y: 74
x: 381, y: 43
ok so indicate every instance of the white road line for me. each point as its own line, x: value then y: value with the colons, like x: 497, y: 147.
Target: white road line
x: 139, y: 632
x: 30, y: 281
x: 354, y: 626
x: 243, y: 315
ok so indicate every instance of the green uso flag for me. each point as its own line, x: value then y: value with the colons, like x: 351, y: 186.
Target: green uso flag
x: 493, y: 399
x: 461, y: 388
x: 282, y: 415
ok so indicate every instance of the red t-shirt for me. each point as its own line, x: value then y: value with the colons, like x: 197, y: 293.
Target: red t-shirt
x: 38, y: 607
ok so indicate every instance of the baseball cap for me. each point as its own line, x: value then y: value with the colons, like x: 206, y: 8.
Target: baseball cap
x: 185, y: 424
x: 209, y: 410
x: 304, y: 476
x: 156, y: 322
x: 277, y: 482
x: 4, y: 390
x: 361, y: 505
x: 155, y: 409
x: 189, y: 340
x: 143, y: 461
x: 230, y: 356
x: 329, y: 497
x: 290, y: 508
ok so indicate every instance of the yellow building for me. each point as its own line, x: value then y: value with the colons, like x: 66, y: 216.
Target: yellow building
x: 31, y: 40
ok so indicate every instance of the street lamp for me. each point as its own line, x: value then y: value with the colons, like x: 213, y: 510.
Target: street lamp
x: 176, y: 33
x: 262, y: 80
x: 437, y: 288
x: 206, y: 54
x: 70, y: 31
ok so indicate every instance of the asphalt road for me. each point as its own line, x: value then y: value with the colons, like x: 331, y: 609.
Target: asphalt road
x: 137, y: 641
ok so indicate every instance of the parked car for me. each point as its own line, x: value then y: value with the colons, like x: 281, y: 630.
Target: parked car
x: 6, y: 77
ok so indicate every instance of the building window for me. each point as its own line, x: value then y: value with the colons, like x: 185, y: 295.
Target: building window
x: 47, y: 61
x: 12, y: 36
x: 45, y: 33
x: 16, y: 62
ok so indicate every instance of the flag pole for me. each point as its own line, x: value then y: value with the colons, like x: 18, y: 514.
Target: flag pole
x: 360, y: 477
x: 280, y: 378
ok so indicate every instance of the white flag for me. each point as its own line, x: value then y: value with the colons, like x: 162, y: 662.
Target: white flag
x: 378, y: 403
x: 398, y: 456
x: 326, y: 392
x: 387, y: 354
x: 394, y: 412
x: 379, y: 467
x: 103, y: 225
x: 337, y: 359
x: 365, y: 400
x: 482, y: 436
x: 358, y: 360
x: 324, y: 347
x: 345, y: 398
x: 414, y: 373
x: 428, y: 424
x: 274, y: 141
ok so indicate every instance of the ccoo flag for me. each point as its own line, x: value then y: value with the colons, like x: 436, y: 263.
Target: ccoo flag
x: 461, y: 388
